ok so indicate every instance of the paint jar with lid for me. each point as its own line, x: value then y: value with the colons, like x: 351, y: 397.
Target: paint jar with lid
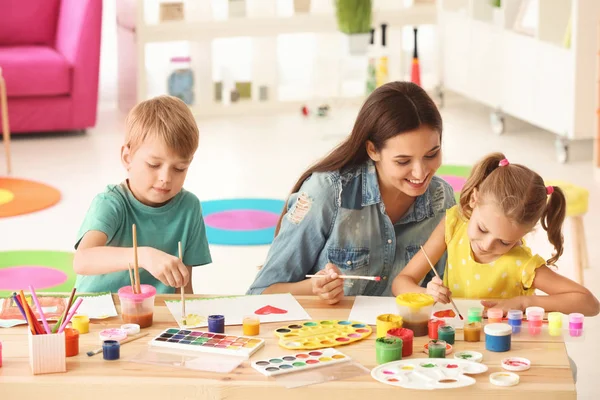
x: 534, y: 322
x: 497, y: 337
x: 388, y: 349
x: 251, y: 325
x: 385, y: 322
x: 111, y: 350
x: 415, y: 309
x: 495, y: 315
x: 81, y: 323
x: 575, y: 324
x: 472, y: 332
x: 446, y: 333
x: 137, y: 308
x: 555, y: 323
x: 71, y: 342
x: 407, y: 337
x: 432, y: 327
x: 515, y: 320
x: 436, y: 348
x: 475, y: 314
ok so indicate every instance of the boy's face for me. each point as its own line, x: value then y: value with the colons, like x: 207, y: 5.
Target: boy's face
x: 156, y: 174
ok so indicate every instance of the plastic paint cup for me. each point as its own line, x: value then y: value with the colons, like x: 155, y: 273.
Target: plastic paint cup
x: 71, y: 342
x: 388, y: 349
x: 251, y: 325
x: 407, y: 337
x: 495, y: 315
x: 472, y: 332
x: 433, y: 326
x: 437, y: 349
x: 137, y: 308
x: 555, y: 323
x: 534, y: 322
x: 497, y: 337
x: 446, y: 333
x: 515, y: 320
x: 575, y: 324
x: 474, y: 314
x: 385, y: 322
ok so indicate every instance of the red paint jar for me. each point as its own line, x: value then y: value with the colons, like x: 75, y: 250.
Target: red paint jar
x: 407, y: 339
x: 432, y: 327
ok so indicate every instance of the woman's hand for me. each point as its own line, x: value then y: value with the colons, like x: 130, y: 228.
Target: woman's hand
x: 437, y: 290
x: 328, y: 285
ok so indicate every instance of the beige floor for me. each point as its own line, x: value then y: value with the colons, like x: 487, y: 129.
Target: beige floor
x: 262, y: 156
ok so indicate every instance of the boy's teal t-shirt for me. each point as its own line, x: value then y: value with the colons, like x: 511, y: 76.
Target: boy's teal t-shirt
x: 115, y: 210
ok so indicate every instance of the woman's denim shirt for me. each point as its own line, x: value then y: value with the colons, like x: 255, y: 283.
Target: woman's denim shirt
x: 339, y: 217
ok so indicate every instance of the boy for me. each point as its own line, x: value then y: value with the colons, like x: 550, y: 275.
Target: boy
x: 160, y: 142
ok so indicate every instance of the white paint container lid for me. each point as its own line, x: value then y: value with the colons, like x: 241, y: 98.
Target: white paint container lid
x: 131, y: 329
x: 516, y: 364
x: 504, y: 379
x: 498, y: 329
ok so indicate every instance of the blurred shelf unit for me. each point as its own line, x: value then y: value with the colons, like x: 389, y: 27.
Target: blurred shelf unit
x: 263, y: 31
x: 532, y: 59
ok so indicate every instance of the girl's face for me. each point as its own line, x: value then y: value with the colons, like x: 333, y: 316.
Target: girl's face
x: 408, y: 161
x: 490, y: 232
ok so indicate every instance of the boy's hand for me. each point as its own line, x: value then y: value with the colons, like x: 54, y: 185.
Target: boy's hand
x: 438, y: 291
x: 168, y: 269
x: 329, y: 287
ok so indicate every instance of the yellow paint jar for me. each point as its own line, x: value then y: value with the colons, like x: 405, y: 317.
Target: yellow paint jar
x: 81, y: 323
x: 251, y: 326
x: 385, y: 322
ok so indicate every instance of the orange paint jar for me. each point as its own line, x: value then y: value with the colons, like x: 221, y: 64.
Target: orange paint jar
x: 251, y: 326
x: 71, y: 342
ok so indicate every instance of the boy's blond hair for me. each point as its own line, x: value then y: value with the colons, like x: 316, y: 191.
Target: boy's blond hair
x: 164, y: 117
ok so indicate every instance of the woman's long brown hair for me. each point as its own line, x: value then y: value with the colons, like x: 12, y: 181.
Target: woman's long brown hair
x: 392, y: 109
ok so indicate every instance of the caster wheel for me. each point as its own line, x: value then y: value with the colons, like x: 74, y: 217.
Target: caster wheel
x: 497, y: 123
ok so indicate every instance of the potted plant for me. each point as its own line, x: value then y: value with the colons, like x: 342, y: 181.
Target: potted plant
x: 354, y: 20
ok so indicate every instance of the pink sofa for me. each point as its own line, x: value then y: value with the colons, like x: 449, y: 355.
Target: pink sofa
x: 50, y: 56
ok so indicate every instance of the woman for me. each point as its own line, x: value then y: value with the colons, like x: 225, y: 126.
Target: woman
x: 366, y: 207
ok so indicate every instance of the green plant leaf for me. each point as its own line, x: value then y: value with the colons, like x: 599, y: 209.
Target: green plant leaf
x: 354, y: 16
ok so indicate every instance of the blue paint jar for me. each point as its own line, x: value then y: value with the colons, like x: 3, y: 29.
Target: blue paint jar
x: 515, y: 319
x: 111, y: 350
x: 497, y: 337
x: 216, y: 323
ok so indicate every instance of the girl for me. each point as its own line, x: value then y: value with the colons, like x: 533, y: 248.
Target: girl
x: 363, y: 209
x: 487, y: 256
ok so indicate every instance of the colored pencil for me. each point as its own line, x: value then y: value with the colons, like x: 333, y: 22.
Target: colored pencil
x: 62, y: 317
x: 21, y: 310
x: 129, y: 339
x: 73, y: 311
x: 182, y: 288
x: 136, y: 269
x: 367, y: 278
x: 436, y: 274
x: 39, y: 307
x: 26, y: 309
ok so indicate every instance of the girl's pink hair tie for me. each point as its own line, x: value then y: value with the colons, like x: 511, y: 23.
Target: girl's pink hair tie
x: 503, y: 163
x: 549, y: 190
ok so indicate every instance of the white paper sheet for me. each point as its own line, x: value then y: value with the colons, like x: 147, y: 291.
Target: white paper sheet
x: 269, y: 308
x: 366, y: 309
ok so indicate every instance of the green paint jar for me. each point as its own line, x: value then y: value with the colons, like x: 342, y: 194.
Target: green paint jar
x: 475, y: 314
x: 437, y: 349
x: 388, y: 349
x: 446, y: 333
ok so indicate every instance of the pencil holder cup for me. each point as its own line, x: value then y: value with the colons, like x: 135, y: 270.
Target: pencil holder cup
x: 47, y: 353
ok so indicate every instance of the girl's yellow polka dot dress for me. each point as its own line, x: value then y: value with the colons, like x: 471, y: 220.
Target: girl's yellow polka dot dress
x: 509, y: 276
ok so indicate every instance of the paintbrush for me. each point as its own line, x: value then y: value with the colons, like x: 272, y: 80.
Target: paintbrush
x: 136, y: 269
x: 129, y: 339
x: 367, y: 278
x: 436, y: 274
x: 182, y: 289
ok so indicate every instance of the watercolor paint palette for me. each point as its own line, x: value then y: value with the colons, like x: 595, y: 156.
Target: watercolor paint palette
x: 299, y: 362
x: 321, y: 334
x: 208, y: 342
x: 428, y: 373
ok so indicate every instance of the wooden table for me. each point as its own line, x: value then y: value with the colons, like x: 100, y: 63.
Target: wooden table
x: 549, y: 377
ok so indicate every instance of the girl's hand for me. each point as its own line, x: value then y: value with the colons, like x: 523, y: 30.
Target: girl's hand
x: 438, y: 291
x: 328, y: 286
x: 516, y: 303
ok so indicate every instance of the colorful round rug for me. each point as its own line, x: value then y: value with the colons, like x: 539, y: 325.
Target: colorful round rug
x: 456, y: 176
x: 20, y: 196
x: 47, y: 271
x: 241, y: 222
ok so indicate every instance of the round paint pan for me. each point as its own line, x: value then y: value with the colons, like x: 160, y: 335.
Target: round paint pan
x: 516, y: 364
x: 504, y: 379
x: 469, y: 356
